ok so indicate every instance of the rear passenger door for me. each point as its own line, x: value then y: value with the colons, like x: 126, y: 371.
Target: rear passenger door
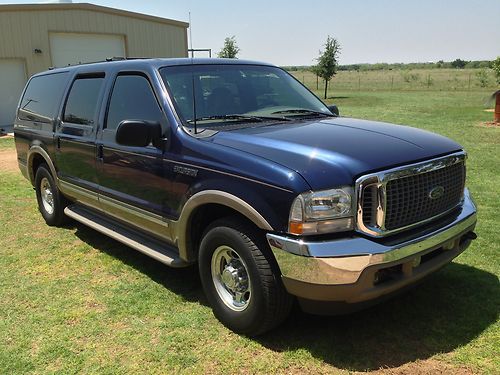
x: 76, y: 136
x: 132, y: 183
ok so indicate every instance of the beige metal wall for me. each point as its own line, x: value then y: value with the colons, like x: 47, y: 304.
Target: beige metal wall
x: 24, y: 29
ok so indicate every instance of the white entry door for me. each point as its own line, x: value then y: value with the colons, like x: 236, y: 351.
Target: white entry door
x: 73, y: 48
x: 12, y: 81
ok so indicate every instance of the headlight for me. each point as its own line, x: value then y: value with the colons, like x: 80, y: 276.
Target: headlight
x: 322, y: 212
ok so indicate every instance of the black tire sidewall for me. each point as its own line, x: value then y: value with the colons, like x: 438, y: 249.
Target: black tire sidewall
x: 55, y: 218
x: 244, y: 321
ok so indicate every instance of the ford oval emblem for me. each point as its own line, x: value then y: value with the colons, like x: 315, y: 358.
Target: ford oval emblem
x: 436, y: 192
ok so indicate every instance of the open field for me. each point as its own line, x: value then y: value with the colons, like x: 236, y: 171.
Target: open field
x: 72, y: 300
x: 403, y: 79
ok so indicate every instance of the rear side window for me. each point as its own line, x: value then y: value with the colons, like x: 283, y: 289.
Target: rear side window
x: 132, y: 99
x: 42, y: 97
x: 82, y: 100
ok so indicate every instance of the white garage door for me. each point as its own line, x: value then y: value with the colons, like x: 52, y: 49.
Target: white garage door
x: 12, y: 81
x: 72, y: 48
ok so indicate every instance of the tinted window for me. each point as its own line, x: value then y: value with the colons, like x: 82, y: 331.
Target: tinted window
x: 82, y: 101
x: 132, y: 99
x: 205, y: 91
x: 42, y: 97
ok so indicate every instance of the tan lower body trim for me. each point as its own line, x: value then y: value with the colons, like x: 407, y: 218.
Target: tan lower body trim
x: 142, y: 219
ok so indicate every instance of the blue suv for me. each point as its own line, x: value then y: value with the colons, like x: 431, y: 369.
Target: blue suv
x: 238, y: 167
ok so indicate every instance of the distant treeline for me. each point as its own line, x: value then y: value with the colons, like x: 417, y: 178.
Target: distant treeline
x: 456, y: 64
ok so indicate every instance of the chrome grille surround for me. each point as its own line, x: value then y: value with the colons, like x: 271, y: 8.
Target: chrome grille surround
x: 374, y: 186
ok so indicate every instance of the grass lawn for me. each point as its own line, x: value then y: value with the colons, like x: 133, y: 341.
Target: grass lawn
x: 73, y: 300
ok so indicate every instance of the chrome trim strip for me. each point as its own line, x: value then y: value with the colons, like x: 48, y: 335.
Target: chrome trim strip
x: 380, y: 180
x: 343, y: 261
x: 230, y: 174
x: 159, y: 156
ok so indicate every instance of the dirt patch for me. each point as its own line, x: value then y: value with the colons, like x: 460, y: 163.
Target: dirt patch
x: 490, y: 124
x: 8, y: 161
x: 429, y: 366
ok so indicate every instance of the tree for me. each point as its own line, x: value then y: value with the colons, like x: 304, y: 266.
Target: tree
x: 482, y: 77
x: 327, y: 61
x: 230, y: 49
x: 458, y: 64
x: 495, y: 65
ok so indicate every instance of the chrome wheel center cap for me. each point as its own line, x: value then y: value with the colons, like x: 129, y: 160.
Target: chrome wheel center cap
x: 230, y: 277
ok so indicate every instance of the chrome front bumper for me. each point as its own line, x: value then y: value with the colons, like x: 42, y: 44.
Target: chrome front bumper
x: 345, y: 269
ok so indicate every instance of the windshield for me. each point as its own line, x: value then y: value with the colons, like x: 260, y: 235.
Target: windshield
x: 215, y: 96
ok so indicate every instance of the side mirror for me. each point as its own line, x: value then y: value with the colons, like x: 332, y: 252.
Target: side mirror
x: 138, y: 133
x: 333, y: 108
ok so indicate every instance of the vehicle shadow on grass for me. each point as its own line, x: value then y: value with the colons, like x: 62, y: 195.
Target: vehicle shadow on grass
x: 183, y: 281
x: 447, y: 311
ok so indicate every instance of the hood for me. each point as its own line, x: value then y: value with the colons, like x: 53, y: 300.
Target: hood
x: 336, y: 151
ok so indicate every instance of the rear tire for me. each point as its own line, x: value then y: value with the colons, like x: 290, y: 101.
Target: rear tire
x: 240, y: 278
x: 51, y: 202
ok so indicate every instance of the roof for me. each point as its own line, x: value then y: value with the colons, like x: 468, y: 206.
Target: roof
x: 90, y: 7
x: 134, y: 63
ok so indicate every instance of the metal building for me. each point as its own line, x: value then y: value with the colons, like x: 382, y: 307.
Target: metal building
x: 34, y: 37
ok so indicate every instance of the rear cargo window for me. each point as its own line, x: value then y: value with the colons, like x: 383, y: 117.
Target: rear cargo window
x: 42, y: 96
x: 82, y: 100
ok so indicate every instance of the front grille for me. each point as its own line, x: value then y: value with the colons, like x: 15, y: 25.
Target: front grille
x: 369, y: 205
x: 408, y: 200
x: 406, y: 196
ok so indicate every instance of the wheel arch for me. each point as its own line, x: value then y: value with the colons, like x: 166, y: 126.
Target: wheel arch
x: 36, y: 156
x: 218, y: 204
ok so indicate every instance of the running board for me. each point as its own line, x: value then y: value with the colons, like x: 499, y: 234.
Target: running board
x: 138, y: 241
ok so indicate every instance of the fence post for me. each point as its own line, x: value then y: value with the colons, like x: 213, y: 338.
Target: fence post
x: 359, y: 82
x: 469, y: 80
x: 392, y: 83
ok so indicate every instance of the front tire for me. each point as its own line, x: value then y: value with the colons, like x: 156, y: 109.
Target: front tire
x: 240, y: 278
x: 51, y: 202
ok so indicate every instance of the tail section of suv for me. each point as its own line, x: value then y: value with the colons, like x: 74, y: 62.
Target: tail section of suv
x: 236, y: 166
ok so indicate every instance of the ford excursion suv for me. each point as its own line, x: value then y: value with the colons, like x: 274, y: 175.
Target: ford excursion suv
x: 236, y: 166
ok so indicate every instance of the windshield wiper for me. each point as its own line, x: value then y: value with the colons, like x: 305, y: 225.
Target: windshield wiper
x: 303, y: 111
x: 238, y: 117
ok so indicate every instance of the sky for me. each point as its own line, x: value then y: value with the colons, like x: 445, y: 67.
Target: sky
x: 293, y: 32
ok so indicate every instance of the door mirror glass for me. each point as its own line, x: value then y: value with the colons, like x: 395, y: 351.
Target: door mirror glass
x: 333, y: 108
x: 138, y: 133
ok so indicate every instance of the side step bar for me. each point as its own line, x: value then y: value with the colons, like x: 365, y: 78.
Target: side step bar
x: 136, y: 240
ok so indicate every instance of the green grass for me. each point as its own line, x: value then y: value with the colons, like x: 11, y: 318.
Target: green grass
x: 400, y: 79
x: 72, y: 300
x: 6, y: 143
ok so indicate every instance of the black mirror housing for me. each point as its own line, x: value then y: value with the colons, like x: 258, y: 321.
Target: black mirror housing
x: 138, y: 133
x: 334, y: 109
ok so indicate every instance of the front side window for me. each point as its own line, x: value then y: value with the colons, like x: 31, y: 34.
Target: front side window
x: 132, y: 99
x: 82, y: 101
x: 211, y: 95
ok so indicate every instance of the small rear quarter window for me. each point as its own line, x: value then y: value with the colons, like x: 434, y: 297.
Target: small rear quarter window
x: 42, y: 97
